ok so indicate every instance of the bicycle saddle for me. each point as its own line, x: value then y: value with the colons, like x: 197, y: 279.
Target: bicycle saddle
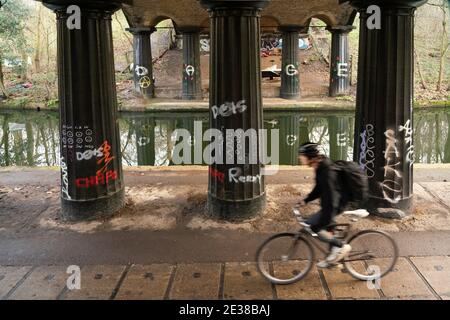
x: 360, y: 213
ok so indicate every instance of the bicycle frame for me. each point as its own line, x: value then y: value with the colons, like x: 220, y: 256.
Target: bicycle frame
x: 350, y: 258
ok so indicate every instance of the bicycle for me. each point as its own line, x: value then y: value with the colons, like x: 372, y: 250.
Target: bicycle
x: 293, y: 254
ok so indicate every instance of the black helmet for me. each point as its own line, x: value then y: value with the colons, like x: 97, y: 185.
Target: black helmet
x: 309, y: 149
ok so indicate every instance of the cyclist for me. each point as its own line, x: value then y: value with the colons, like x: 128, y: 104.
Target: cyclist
x: 332, y: 200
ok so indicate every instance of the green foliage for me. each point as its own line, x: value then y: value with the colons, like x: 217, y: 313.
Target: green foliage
x: 14, y: 15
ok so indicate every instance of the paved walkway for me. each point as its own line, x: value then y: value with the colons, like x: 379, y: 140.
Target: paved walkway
x: 413, y: 278
x: 183, y: 263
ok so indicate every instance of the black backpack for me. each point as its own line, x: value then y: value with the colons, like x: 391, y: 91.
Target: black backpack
x: 354, y: 181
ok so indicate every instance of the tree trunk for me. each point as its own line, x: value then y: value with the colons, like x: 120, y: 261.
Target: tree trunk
x: 37, y: 55
x: 3, y: 92
x: 419, y: 70
x: 447, y: 144
x: 30, y: 143
x: 444, y: 46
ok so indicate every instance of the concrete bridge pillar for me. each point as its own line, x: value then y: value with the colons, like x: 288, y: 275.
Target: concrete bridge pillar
x: 384, y: 120
x: 143, y: 64
x: 290, y: 75
x: 91, y: 170
x: 236, y: 187
x: 339, y: 61
x: 192, y: 80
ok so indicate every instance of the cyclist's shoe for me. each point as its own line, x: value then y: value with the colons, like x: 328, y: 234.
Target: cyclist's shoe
x: 323, y: 264
x: 337, y: 254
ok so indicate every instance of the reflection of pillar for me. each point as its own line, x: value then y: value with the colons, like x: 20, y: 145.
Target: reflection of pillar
x: 290, y: 78
x: 384, y: 103
x: 145, y: 141
x: 142, y: 57
x: 447, y: 143
x: 303, y: 130
x: 289, y: 127
x: 236, y: 190
x: 338, y: 129
x: 91, y: 170
x: 192, y: 80
x: 339, y: 61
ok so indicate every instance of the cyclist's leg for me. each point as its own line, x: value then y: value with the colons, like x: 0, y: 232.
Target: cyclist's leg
x: 315, y: 221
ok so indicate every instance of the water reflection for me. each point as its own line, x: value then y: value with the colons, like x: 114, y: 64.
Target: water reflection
x: 32, y: 139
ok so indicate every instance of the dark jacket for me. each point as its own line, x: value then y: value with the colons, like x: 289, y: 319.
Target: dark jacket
x: 328, y: 189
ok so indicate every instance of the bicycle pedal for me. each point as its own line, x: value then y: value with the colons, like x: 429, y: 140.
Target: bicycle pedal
x: 338, y: 266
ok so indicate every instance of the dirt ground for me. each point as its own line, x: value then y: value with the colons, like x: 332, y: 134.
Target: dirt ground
x: 165, y: 206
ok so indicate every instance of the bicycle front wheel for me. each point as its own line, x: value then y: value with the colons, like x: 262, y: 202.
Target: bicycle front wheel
x: 285, y: 258
x: 373, y: 255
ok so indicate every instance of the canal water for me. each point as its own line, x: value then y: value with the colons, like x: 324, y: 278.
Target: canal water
x: 31, y: 138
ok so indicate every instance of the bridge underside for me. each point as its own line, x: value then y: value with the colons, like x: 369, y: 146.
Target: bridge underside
x: 91, y: 172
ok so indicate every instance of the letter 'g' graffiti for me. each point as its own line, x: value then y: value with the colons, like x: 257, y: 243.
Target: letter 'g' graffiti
x: 74, y: 21
x: 74, y: 280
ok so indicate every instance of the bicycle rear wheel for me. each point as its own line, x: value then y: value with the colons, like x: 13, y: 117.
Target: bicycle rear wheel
x: 373, y: 255
x: 285, y: 258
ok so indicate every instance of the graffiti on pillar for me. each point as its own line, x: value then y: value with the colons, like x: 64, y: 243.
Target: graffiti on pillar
x: 291, y: 139
x: 103, y: 175
x: 391, y: 154
x: 145, y: 82
x: 217, y: 174
x: 99, y: 179
x: 106, y: 159
x: 89, y: 154
x: 291, y: 70
x: 228, y: 108
x: 235, y: 175
x: 204, y: 45
x: 367, y: 154
x: 141, y: 71
x: 342, y: 69
x: 76, y: 137
x: 143, y: 141
x: 65, y: 180
x: 273, y: 122
x: 407, y: 128
x: 190, y: 71
x: 341, y: 139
